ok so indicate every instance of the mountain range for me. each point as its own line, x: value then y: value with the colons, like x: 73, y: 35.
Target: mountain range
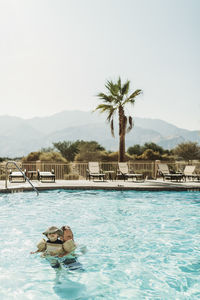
x: 18, y: 136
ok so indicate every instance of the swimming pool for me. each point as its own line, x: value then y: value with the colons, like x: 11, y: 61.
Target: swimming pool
x: 141, y: 245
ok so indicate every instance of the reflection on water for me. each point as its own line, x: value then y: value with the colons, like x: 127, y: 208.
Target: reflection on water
x: 68, y: 289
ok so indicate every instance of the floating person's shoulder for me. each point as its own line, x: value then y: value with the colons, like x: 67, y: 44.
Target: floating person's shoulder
x: 42, y: 245
x: 69, y: 246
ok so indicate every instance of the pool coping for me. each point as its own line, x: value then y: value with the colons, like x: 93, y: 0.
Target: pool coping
x: 119, y: 185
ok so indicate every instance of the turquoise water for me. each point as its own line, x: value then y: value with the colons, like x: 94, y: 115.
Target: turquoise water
x: 141, y: 245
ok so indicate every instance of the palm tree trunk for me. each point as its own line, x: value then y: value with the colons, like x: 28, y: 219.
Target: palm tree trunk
x: 121, y: 135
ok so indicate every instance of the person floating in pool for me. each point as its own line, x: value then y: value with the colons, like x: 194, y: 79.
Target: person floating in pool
x: 54, y: 248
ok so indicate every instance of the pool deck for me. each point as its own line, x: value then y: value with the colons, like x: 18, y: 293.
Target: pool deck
x: 147, y: 185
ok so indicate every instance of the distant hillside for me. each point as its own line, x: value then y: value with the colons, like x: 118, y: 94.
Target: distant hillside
x: 64, y: 120
x: 18, y: 137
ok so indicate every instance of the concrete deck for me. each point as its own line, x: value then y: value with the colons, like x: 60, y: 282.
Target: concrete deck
x: 147, y: 185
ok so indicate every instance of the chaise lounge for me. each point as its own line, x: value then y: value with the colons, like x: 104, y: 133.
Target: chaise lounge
x: 94, y: 171
x: 46, y: 176
x: 164, y: 171
x: 189, y: 173
x: 17, y: 176
x: 123, y: 171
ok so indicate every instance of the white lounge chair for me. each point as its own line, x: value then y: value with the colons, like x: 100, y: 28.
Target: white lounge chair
x: 189, y: 172
x: 94, y: 171
x: 124, y: 172
x: 17, y: 176
x: 46, y: 176
x: 164, y: 171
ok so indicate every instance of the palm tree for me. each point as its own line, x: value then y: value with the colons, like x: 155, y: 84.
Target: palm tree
x: 116, y: 100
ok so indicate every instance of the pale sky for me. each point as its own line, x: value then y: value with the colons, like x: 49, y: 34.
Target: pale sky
x: 56, y: 55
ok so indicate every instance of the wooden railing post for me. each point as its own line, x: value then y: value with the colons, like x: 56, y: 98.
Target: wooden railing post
x: 156, y: 167
x: 39, y: 165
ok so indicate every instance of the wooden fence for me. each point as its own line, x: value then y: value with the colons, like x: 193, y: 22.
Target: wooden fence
x: 78, y: 169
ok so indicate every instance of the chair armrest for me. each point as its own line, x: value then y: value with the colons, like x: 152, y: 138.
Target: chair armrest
x: 118, y: 172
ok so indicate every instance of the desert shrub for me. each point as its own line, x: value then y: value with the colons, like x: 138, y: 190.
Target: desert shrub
x: 114, y: 156
x: 154, y: 147
x: 136, y: 149
x: 52, y: 156
x: 44, y: 156
x: 79, y: 150
x: 187, y: 151
x: 68, y: 149
x: 33, y: 156
x: 88, y: 156
x: 139, y: 150
x: 107, y: 157
x: 149, y: 154
x: 166, y: 157
x: 71, y: 176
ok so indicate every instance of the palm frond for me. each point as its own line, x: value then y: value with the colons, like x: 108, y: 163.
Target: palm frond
x: 105, y: 98
x: 130, y: 121
x: 112, y: 88
x: 125, y: 88
x: 135, y: 94
x: 119, y: 83
x: 131, y: 98
x: 128, y: 100
x: 111, y: 113
x: 103, y: 108
x: 124, y: 122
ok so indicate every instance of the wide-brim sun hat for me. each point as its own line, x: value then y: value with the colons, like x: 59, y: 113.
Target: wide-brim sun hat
x: 53, y: 229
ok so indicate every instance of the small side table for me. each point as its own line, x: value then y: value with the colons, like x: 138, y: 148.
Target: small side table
x: 31, y: 174
x: 111, y: 175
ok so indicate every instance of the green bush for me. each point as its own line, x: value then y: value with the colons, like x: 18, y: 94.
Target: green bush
x: 149, y: 154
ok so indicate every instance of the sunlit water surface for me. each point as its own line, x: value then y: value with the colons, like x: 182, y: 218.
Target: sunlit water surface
x: 141, y: 245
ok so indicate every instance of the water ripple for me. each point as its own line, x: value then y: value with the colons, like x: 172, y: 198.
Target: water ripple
x: 142, y: 245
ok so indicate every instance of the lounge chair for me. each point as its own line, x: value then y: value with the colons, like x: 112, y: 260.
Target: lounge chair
x: 46, y: 176
x: 94, y: 171
x: 164, y: 171
x: 17, y: 176
x: 189, y: 172
x: 124, y: 172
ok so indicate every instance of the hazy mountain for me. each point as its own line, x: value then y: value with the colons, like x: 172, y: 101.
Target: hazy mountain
x: 64, y: 120
x: 18, y: 136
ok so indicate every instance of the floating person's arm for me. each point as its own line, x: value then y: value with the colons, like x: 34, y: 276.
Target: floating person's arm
x: 33, y: 252
x: 68, y: 247
x: 41, y: 247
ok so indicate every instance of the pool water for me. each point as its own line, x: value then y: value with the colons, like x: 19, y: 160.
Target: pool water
x: 141, y: 245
